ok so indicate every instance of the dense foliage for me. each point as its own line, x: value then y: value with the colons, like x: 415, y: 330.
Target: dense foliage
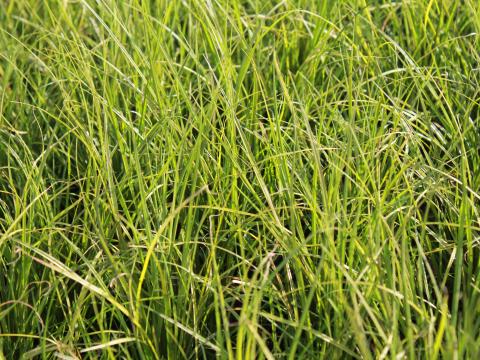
x: 247, y: 179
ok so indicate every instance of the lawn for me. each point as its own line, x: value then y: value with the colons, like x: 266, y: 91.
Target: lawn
x: 239, y: 179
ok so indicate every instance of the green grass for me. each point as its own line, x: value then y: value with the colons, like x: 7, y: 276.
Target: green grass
x: 247, y: 179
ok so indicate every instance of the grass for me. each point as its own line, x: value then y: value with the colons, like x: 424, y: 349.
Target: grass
x: 246, y: 179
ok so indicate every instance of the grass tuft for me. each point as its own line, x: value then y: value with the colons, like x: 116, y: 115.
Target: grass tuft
x: 239, y: 179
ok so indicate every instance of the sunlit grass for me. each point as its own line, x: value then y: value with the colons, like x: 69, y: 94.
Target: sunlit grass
x: 239, y: 179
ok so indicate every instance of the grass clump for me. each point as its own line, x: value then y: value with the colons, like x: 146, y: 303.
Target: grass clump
x: 239, y: 179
